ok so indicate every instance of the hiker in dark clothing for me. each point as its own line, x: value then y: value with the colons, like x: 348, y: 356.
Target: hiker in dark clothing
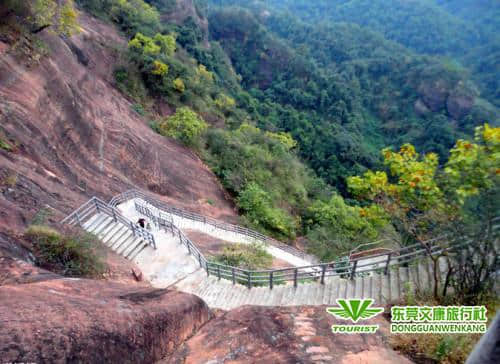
x: 142, y: 222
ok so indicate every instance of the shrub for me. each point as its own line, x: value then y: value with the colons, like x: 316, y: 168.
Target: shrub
x: 185, y: 125
x: 245, y: 256
x: 257, y: 205
x: 335, y: 227
x: 179, y: 85
x: 5, y: 146
x: 73, y: 254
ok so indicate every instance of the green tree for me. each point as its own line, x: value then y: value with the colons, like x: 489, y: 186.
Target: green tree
x: 166, y: 43
x: 334, y: 227
x: 474, y: 167
x: 178, y: 85
x: 185, y: 125
x: 159, y: 68
x: 60, y: 15
x: 424, y: 201
x: 257, y: 205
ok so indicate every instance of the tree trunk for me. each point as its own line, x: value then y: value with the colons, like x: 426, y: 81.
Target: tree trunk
x: 436, y: 277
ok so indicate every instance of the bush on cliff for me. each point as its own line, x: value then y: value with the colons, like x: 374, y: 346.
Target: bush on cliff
x: 72, y: 254
x: 185, y: 125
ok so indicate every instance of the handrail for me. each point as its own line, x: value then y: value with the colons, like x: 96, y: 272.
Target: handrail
x: 130, y: 194
x: 343, y: 268
x: 94, y: 205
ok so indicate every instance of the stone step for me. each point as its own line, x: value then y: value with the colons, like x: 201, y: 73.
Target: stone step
x: 96, y: 223
x: 106, y: 222
x: 123, y: 242
x: 86, y: 225
x: 124, y: 234
x: 118, y: 229
x: 137, y: 242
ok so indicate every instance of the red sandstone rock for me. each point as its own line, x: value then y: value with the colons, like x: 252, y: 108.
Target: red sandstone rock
x: 283, y: 335
x: 76, y: 135
x: 87, y: 321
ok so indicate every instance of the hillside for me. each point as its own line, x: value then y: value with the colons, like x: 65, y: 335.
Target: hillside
x: 315, y: 127
x: 73, y: 135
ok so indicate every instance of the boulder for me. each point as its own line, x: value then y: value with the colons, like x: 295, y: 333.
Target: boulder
x: 88, y: 321
x: 420, y: 108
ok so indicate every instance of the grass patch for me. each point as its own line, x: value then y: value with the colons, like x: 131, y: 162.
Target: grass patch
x: 5, y: 146
x: 10, y: 179
x: 245, y: 256
x: 72, y: 254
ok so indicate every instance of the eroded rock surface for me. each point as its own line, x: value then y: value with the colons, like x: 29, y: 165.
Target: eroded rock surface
x: 74, y: 135
x: 88, y: 321
x: 283, y: 335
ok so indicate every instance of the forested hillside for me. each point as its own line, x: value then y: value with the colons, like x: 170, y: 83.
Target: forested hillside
x: 285, y: 100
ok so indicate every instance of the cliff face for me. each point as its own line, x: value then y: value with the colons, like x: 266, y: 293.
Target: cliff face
x: 73, y: 135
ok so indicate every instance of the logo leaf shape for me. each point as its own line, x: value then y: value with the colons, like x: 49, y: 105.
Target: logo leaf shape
x: 355, y: 309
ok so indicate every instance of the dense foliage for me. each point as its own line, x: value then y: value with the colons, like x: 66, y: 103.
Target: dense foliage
x: 184, y: 125
x: 342, y: 91
x: 424, y: 201
x: 287, y: 99
x: 58, y: 16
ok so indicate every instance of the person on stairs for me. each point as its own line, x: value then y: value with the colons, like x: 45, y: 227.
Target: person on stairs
x: 141, y: 222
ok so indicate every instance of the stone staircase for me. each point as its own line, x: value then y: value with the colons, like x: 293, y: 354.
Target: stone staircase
x: 383, y: 288
x: 115, y: 235
x: 165, y: 261
x: 163, y: 266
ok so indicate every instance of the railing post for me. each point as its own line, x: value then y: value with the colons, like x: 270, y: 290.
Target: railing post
x: 249, y: 280
x: 132, y: 227
x: 295, y: 273
x: 271, y: 280
x: 232, y: 274
x: 153, y: 240
x: 354, y: 269
x: 114, y: 215
x: 199, y: 260
x: 208, y: 271
x: 387, y: 263
x: 78, y: 219
x: 323, y: 270
x: 96, y: 206
x: 189, y: 249
x: 218, y: 272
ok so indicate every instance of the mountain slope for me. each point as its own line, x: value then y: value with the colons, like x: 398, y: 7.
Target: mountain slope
x: 73, y: 135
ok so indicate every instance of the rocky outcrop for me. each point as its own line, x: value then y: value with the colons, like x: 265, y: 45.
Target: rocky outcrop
x: 439, y: 95
x: 420, y: 108
x: 459, y: 104
x: 87, y: 321
x: 283, y: 335
x: 434, y: 94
